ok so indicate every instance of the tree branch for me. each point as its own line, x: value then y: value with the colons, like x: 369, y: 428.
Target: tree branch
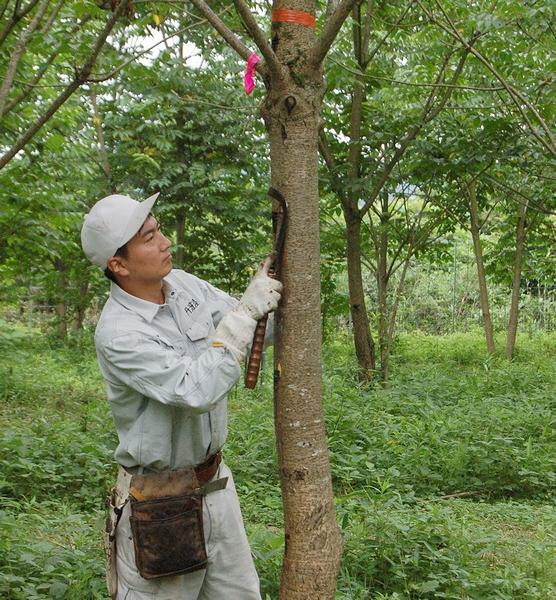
x: 409, y: 238
x: 18, y: 53
x: 80, y: 77
x: 517, y: 97
x: 330, y: 161
x: 16, y: 17
x: 367, y: 30
x: 368, y: 58
x: 356, y: 116
x: 259, y: 38
x: 331, y: 6
x: 526, y: 199
x: 329, y: 32
x: 474, y: 88
x: 103, y: 154
x: 3, y: 8
x: 106, y: 76
x: 52, y: 16
x: 227, y: 34
x: 40, y: 73
x: 427, y: 115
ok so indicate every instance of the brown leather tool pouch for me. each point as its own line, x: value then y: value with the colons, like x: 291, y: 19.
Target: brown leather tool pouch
x: 167, y: 518
x: 168, y: 535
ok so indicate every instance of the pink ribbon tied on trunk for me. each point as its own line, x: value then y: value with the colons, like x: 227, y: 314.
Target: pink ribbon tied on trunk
x: 248, y: 79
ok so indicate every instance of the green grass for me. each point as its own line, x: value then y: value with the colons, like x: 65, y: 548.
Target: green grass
x: 444, y: 480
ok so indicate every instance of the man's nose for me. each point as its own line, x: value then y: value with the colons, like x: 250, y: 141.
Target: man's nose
x: 165, y: 243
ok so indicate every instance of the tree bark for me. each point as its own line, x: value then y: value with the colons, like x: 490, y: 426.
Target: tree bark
x: 382, y: 287
x: 180, y: 239
x: 102, y: 151
x: 292, y: 111
x: 313, y: 540
x: 81, y: 305
x: 362, y: 337
x: 483, y: 290
x: 61, y: 303
x: 521, y: 233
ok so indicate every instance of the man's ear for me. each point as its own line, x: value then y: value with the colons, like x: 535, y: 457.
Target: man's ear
x: 117, y: 265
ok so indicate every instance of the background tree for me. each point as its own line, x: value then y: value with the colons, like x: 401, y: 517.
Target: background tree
x: 75, y: 34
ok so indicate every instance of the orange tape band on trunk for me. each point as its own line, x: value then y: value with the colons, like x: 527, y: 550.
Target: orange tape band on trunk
x: 285, y: 15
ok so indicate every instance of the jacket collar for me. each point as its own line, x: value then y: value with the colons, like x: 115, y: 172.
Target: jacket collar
x: 144, y: 308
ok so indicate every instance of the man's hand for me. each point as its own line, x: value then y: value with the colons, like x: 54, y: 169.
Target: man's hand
x: 263, y: 293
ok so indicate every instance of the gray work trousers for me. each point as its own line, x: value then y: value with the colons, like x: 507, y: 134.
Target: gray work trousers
x: 230, y: 573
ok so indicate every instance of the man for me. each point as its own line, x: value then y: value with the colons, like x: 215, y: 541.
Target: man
x: 169, y: 346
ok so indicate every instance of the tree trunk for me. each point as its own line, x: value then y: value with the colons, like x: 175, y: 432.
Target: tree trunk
x: 61, y: 304
x: 180, y: 239
x: 394, y: 309
x: 382, y: 287
x: 292, y: 114
x: 362, y: 337
x: 102, y: 151
x: 313, y: 540
x: 81, y: 305
x: 483, y: 290
x: 521, y: 233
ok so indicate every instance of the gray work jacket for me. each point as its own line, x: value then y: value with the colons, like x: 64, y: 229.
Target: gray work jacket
x: 166, y: 384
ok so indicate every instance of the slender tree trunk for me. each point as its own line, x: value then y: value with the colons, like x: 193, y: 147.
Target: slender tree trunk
x: 362, y: 337
x: 180, y: 239
x: 382, y: 287
x: 483, y: 290
x: 61, y: 303
x: 81, y: 306
x: 313, y: 540
x: 292, y: 114
x: 394, y: 309
x: 102, y: 151
x: 17, y: 53
x: 521, y: 233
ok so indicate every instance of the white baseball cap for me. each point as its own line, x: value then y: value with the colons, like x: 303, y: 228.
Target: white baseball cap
x: 111, y: 223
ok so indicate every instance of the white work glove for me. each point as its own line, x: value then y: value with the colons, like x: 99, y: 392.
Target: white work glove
x: 236, y: 329
x: 235, y: 332
x: 262, y: 294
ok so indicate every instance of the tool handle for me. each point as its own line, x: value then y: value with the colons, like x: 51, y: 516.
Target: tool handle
x: 254, y: 363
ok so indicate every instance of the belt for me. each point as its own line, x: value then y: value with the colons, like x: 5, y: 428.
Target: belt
x: 204, y: 471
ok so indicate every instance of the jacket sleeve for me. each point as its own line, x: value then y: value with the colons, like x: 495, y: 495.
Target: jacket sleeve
x: 221, y: 303
x: 157, y: 371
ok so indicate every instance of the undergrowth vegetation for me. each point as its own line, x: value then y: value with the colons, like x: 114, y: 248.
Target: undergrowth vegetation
x: 444, y: 480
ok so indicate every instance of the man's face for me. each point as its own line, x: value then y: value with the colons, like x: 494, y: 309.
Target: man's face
x: 148, y: 254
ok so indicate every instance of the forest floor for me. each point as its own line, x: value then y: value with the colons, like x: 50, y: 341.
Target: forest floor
x: 444, y: 480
